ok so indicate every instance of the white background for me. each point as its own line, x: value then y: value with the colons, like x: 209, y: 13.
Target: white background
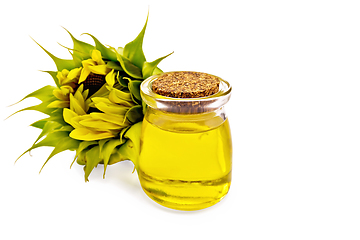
x: 294, y: 115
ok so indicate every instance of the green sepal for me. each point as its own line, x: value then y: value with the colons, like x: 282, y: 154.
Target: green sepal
x: 149, y: 67
x: 66, y: 143
x: 116, y: 157
x: 49, y: 126
x: 105, y: 51
x: 128, y: 67
x: 144, y: 107
x: 131, y: 149
x: 123, y: 80
x: 80, y: 159
x: 122, y: 133
x: 133, y: 50
x: 82, y: 50
x: 42, y: 107
x: 134, y: 114
x: 134, y: 88
x: 55, y: 116
x: 114, y: 65
x: 107, y: 150
x: 51, y: 140
x: 157, y: 71
x: 53, y: 74
x: 60, y: 63
x: 83, y: 146
x: 120, y: 50
x: 39, y: 124
x: 44, y: 94
x: 92, y: 160
x: 77, y: 59
x: 101, y: 144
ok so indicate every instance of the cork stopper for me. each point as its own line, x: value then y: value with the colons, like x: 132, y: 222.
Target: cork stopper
x: 186, y: 85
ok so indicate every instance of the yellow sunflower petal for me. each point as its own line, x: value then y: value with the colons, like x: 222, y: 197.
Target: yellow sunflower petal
x: 110, y: 78
x: 58, y: 93
x: 99, y: 69
x: 80, y: 99
x: 86, y: 134
x: 61, y: 75
x: 101, y: 99
x: 76, y: 106
x: 116, y: 119
x: 63, y: 92
x: 112, y: 109
x: 96, y: 56
x: 74, y: 73
x: 84, y: 74
x: 76, y: 120
x: 113, y: 97
x: 123, y: 95
x: 88, y: 62
x: 99, y: 124
x: 68, y: 115
x: 59, y: 104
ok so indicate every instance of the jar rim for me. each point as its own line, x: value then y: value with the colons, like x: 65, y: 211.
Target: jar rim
x: 153, y: 99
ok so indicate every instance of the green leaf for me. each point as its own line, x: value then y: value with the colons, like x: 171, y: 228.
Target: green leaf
x: 133, y: 50
x: 149, y: 67
x: 81, y: 49
x: 60, y: 63
x: 134, y: 114
x: 105, y: 51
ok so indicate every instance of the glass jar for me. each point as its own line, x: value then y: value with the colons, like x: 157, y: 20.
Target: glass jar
x: 185, y: 149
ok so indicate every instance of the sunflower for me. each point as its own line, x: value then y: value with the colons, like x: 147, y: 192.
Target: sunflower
x: 96, y: 108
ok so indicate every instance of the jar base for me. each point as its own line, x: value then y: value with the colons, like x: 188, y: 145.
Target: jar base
x: 179, y: 205
x: 185, y: 195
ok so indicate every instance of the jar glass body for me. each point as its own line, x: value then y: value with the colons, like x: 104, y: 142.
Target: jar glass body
x: 185, y: 156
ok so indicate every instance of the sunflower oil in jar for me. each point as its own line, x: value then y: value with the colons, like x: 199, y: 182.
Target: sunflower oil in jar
x: 186, y: 150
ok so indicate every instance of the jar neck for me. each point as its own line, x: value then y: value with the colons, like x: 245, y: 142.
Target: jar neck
x: 186, y: 122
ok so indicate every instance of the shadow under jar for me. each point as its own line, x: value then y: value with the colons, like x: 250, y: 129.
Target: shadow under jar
x: 186, y: 149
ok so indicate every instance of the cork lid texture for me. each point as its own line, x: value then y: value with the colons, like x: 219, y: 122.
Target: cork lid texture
x: 186, y: 85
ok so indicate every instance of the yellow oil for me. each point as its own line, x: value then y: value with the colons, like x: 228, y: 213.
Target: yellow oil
x: 185, y: 164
